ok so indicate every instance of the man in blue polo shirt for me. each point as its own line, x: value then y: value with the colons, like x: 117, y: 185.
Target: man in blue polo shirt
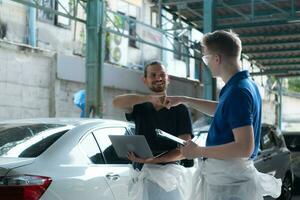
x: 226, y: 169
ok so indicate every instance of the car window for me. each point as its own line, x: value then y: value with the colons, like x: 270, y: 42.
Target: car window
x: 292, y: 142
x: 268, y: 138
x: 132, y: 130
x: 28, y: 140
x: 91, y: 149
x: 106, y: 147
x: 39, y: 147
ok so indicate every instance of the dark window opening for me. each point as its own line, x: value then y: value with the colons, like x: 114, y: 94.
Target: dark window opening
x: 91, y: 149
x: 38, y: 148
x: 27, y: 140
x: 132, y: 32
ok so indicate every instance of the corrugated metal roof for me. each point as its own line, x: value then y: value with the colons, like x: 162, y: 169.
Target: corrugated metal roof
x: 269, y: 29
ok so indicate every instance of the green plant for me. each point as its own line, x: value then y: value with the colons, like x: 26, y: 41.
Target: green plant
x: 294, y: 84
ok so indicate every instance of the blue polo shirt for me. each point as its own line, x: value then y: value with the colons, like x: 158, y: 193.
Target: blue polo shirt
x: 239, y: 105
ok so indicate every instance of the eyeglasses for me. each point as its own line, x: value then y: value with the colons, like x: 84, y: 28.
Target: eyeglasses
x: 205, y: 59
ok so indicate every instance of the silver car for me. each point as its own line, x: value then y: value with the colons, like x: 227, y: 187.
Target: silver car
x: 292, y: 140
x: 69, y: 159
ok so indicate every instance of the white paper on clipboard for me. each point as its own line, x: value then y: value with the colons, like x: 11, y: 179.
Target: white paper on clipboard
x: 162, y: 133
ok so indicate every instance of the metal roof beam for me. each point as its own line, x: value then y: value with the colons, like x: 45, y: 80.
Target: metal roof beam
x: 287, y: 75
x: 194, y: 12
x: 258, y: 14
x: 258, y: 23
x: 262, y: 58
x: 296, y: 64
x: 274, y: 7
x: 279, y: 62
x: 183, y: 19
x: 283, y: 45
x: 175, y: 2
x: 272, y: 51
x: 271, y: 43
x: 235, y: 10
x: 268, y: 34
x: 266, y: 21
x: 239, y: 3
x: 272, y: 55
x: 277, y: 72
x: 195, y: 19
x: 232, y: 4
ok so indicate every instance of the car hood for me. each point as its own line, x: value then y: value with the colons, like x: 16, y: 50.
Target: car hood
x: 7, y: 164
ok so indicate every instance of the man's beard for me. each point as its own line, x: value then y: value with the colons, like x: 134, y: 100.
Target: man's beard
x: 158, y: 89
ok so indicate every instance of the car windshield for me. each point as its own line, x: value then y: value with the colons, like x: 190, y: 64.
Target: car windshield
x: 28, y: 140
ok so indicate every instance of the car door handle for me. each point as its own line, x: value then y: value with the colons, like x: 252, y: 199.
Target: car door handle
x: 112, y: 176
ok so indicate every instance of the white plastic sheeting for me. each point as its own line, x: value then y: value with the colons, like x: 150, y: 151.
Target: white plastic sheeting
x: 213, y: 179
x: 235, y: 179
x: 161, y: 182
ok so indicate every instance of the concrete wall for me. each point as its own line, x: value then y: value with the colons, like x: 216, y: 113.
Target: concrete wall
x: 35, y: 84
x: 291, y: 113
x: 24, y: 82
x: 119, y: 80
x: 71, y: 39
x: 39, y: 83
x: 14, y: 16
x: 49, y: 36
x: 269, y: 112
x: 291, y: 109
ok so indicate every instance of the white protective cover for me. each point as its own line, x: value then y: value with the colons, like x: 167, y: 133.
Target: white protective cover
x: 234, y: 179
x: 161, y: 182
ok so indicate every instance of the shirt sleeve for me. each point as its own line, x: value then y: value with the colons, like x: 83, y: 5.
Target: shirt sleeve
x: 132, y: 116
x: 184, y: 123
x: 238, y: 108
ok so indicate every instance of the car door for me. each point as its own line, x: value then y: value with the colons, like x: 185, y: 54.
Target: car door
x: 117, y: 170
x: 95, y: 184
x: 292, y: 141
x: 273, y: 157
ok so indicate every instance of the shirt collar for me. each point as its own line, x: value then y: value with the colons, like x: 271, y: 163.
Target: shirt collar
x: 235, y: 78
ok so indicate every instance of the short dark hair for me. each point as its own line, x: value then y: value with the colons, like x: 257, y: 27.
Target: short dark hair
x: 224, y: 42
x: 155, y: 62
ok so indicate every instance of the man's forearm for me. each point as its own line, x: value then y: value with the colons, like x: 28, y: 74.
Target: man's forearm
x: 129, y: 100
x: 242, y: 146
x: 205, y: 106
x: 171, y: 156
x: 225, y: 151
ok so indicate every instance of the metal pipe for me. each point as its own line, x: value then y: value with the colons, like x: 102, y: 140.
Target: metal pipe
x: 95, y: 57
x: 159, y: 24
x: 31, y: 25
x: 279, y: 82
x: 148, y: 43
